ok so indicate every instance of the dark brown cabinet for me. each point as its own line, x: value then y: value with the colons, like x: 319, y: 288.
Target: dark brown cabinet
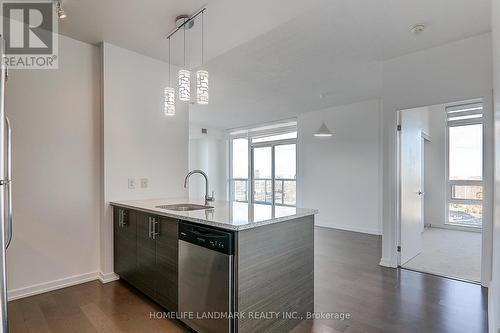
x: 146, y: 256
x: 154, y: 259
x: 125, y: 250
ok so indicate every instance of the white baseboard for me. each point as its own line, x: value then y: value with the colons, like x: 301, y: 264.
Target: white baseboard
x: 388, y: 263
x: 51, y: 285
x: 107, y: 277
x: 371, y: 231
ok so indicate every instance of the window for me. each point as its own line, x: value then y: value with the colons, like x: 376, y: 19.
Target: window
x: 262, y: 174
x: 285, y: 188
x: 465, y: 164
x: 239, y: 181
x: 270, y: 156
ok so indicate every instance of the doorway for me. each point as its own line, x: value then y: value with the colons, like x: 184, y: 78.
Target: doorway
x: 441, y: 190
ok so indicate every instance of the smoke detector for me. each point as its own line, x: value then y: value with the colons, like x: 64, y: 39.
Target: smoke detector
x: 417, y: 28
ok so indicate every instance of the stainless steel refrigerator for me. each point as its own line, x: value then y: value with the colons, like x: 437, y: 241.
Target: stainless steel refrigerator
x: 5, y: 191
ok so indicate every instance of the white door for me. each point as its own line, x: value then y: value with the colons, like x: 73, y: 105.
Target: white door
x: 411, y: 182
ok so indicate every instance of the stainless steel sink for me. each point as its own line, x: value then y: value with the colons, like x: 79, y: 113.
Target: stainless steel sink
x: 184, y: 207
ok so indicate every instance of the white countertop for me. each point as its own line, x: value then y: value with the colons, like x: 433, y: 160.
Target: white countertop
x: 228, y: 215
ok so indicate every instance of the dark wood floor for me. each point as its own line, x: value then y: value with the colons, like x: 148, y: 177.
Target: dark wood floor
x: 348, y: 279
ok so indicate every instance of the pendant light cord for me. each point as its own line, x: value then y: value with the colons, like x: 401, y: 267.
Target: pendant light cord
x: 202, y: 35
x: 184, y: 29
x: 169, y: 62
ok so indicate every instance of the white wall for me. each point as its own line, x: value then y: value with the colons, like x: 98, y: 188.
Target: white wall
x: 452, y: 72
x: 341, y: 175
x: 55, y: 116
x: 139, y: 140
x: 494, y: 289
x: 207, y: 152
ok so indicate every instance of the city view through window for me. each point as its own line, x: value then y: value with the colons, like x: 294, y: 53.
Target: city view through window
x: 273, y: 174
x: 465, y: 144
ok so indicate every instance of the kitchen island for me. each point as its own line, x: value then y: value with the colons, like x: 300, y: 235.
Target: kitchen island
x: 266, y: 284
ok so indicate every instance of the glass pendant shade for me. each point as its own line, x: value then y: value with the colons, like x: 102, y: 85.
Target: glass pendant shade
x: 184, y: 85
x: 202, y: 87
x: 323, y: 132
x: 169, y: 106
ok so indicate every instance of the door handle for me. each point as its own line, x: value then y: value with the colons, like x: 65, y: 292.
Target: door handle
x: 8, y: 185
x: 420, y: 193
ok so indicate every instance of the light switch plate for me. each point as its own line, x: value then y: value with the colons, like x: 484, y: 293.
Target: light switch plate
x: 144, y: 183
x: 131, y: 183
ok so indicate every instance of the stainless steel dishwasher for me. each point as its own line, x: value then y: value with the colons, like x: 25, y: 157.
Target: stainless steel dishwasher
x: 206, y: 278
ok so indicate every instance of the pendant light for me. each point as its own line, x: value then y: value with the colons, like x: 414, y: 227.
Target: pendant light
x: 169, y: 102
x: 202, y: 75
x: 323, y: 132
x: 184, y: 78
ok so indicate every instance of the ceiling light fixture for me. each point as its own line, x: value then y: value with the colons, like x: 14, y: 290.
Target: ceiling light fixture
x: 169, y: 98
x: 186, y: 22
x: 184, y: 78
x: 60, y: 11
x: 323, y: 132
x: 202, y: 75
x: 417, y: 28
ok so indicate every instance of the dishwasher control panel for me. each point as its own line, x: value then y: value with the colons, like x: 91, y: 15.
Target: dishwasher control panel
x: 210, y: 238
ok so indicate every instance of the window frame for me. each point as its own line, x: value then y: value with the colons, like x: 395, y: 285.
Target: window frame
x: 460, y: 182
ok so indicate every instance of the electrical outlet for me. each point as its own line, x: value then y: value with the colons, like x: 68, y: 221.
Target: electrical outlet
x: 144, y: 183
x: 131, y: 183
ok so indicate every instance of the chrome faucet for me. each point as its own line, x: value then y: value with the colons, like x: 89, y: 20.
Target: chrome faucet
x: 207, y: 197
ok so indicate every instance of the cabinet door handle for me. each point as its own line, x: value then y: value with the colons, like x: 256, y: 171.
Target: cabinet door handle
x: 155, y: 232
x: 121, y: 218
x: 149, y: 227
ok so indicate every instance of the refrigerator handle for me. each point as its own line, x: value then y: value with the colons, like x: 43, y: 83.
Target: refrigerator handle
x: 8, y: 185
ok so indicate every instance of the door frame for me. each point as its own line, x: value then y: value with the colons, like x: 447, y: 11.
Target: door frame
x: 398, y: 187
x: 488, y: 179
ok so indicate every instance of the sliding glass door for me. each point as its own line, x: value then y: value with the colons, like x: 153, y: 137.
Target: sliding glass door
x: 274, y: 178
x: 285, y: 175
x: 262, y: 174
x: 263, y: 167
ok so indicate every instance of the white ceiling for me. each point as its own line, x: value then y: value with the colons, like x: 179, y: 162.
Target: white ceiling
x: 270, y: 60
x: 336, y: 48
x: 141, y: 25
